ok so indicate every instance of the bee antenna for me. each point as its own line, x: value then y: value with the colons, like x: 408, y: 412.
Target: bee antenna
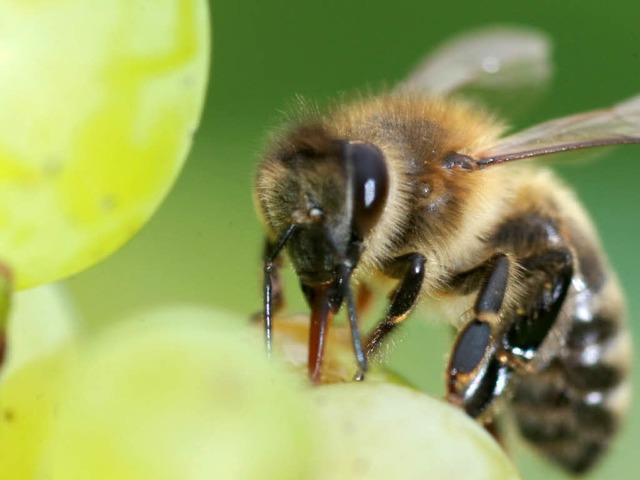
x: 269, y: 263
x: 282, y: 241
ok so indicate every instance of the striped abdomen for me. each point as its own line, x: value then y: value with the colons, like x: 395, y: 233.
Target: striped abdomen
x: 572, y: 408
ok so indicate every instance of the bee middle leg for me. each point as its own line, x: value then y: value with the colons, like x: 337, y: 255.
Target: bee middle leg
x: 410, y: 270
x: 476, y: 372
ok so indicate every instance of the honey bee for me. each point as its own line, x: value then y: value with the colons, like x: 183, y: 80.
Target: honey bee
x: 419, y: 185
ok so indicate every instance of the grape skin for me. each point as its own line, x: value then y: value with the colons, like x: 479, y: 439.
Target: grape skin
x: 100, y: 103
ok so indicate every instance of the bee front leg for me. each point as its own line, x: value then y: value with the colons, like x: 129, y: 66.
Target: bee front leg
x: 410, y: 270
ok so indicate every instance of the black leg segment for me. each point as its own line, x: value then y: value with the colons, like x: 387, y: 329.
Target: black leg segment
x: 476, y: 374
x: 410, y: 269
x: 492, y: 346
x: 353, y: 324
x: 489, y: 301
x: 538, y: 315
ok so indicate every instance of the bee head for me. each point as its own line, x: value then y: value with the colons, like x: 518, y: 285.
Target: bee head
x: 333, y: 190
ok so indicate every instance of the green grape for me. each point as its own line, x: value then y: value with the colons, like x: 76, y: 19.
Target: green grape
x: 41, y: 320
x: 100, y: 100
x: 380, y: 431
x: 178, y: 395
x: 181, y: 393
x: 6, y: 291
x: 42, y: 337
x: 29, y: 400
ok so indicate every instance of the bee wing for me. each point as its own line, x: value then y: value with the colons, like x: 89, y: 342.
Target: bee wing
x: 494, y: 59
x: 616, y: 125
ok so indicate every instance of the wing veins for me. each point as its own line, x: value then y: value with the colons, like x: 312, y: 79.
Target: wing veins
x: 566, y: 147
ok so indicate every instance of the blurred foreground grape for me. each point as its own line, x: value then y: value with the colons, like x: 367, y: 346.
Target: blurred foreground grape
x: 379, y: 431
x: 182, y: 393
x: 100, y: 100
x: 181, y: 399
x: 42, y: 320
x: 43, y: 336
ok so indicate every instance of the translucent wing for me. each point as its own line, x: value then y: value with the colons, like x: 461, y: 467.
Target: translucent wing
x: 496, y: 59
x: 616, y: 125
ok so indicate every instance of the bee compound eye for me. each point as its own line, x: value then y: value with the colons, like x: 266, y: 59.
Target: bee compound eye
x: 370, y: 184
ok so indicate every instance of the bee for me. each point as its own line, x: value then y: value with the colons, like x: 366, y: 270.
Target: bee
x: 421, y: 187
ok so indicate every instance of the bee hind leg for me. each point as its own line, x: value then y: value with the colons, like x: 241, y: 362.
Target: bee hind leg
x: 489, y: 348
x: 540, y: 309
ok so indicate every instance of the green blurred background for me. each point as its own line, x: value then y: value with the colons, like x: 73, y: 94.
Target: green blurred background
x: 203, y: 246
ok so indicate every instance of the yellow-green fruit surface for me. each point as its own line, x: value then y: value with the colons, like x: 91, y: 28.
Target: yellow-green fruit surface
x: 379, y: 431
x: 100, y: 100
x: 185, y: 398
x: 43, y: 336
